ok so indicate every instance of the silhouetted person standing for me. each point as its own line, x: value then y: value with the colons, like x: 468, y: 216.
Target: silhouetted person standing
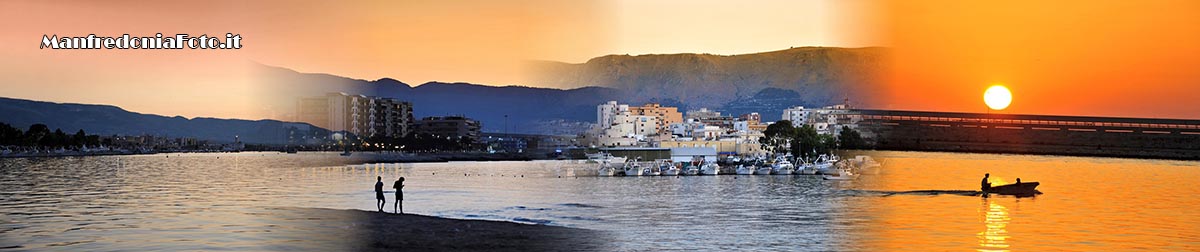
x: 984, y: 185
x: 380, y: 200
x: 399, y: 185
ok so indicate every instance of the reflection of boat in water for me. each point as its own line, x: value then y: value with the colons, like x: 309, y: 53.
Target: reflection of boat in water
x: 1022, y: 189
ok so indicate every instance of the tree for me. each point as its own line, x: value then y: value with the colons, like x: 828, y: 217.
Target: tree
x: 778, y: 135
x: 35, y: 134
x: 851, y: 139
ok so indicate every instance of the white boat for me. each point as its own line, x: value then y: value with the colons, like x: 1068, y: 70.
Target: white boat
x: 866, y: 165
x: 842, y: 174
x: 632, y: 168
x: 807, y: 169
x: 763, y: 169
x: 782, y: 167
x: 606, y: 169
x: 691, y: 170
x: 600, y: 157
x: 841, y: 171
x: 651, y: 170
x: 825, y: 163
x: 668, y: 169
x: 745, y: 169
x: 709, y: 168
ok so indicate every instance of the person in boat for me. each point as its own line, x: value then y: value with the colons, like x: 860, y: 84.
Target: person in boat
x: 399, y: 185
x: 380, y: 200
x: 985, y: 185
x: 1018, y: 180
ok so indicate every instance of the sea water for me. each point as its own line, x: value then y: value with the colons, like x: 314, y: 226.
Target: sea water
x: 231, y: 201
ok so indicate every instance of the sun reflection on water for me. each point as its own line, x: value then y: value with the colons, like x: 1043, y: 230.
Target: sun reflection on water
x: 994, y: 237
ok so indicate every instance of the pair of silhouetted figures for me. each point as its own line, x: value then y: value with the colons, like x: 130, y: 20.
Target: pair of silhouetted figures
x: 381, y: 201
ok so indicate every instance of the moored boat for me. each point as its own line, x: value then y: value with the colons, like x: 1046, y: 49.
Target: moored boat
x: 668, y: 169
x: 632, y: 168
x: 762, y: 169
x: 707, y: 168
x: 782, y: 167
x: 745, y: 169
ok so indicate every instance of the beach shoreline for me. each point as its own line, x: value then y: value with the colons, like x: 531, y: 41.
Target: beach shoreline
x: 359, y: 230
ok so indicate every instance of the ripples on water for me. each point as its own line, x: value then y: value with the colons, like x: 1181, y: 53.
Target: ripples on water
x: 231, y: 202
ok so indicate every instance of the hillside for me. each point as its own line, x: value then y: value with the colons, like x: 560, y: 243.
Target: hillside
x: 819, y: 75
x: 109, y: 120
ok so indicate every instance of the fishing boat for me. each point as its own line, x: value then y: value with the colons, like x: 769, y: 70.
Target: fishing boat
x: 782, y: 167
x: 745, y: 169
x: 824, y: 164
x: 600, y: 157
x: 1021, y: 189
x: 651, y: 170
x: 806, y: 169
x: 632, y: 168
x: 606, y: 169
x: 762, y: 169
x: 707, y: 168
x: 668, y: 169
x: 691, y: 170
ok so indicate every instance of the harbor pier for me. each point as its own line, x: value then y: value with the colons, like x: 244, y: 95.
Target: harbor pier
x: 1030, y: 134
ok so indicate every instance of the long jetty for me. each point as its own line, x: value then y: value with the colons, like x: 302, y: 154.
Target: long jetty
x: 1030, y: 134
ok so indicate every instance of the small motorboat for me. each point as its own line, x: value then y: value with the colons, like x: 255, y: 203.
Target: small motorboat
x: 1022, y: 189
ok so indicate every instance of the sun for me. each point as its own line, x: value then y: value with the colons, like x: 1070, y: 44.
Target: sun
x: 997, y: 97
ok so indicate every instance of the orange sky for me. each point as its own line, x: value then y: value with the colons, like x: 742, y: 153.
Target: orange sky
x: 1108, y: 58
x: 1117, y: 58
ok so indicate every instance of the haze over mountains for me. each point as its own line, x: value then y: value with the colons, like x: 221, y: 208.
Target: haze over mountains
x: 817, y: 75
x: 762, y: 82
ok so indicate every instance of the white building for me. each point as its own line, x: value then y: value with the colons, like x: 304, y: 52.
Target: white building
x: 606, y: 112
x: 798, y: 115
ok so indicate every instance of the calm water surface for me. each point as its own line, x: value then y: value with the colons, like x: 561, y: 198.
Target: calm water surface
x: 235, y: 202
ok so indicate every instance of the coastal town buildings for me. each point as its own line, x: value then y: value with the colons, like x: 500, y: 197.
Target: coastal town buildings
x: 622, y: 125
x: 451, y: 127
x: 826, y: 120
x: 364, y: 116
x: 663, y: 116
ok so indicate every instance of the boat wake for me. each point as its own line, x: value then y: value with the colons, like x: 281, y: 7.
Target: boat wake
x: 915, y: 192
x: 933, y: 193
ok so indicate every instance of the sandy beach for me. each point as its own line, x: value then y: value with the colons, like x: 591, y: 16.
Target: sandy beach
x: 357, y: 230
